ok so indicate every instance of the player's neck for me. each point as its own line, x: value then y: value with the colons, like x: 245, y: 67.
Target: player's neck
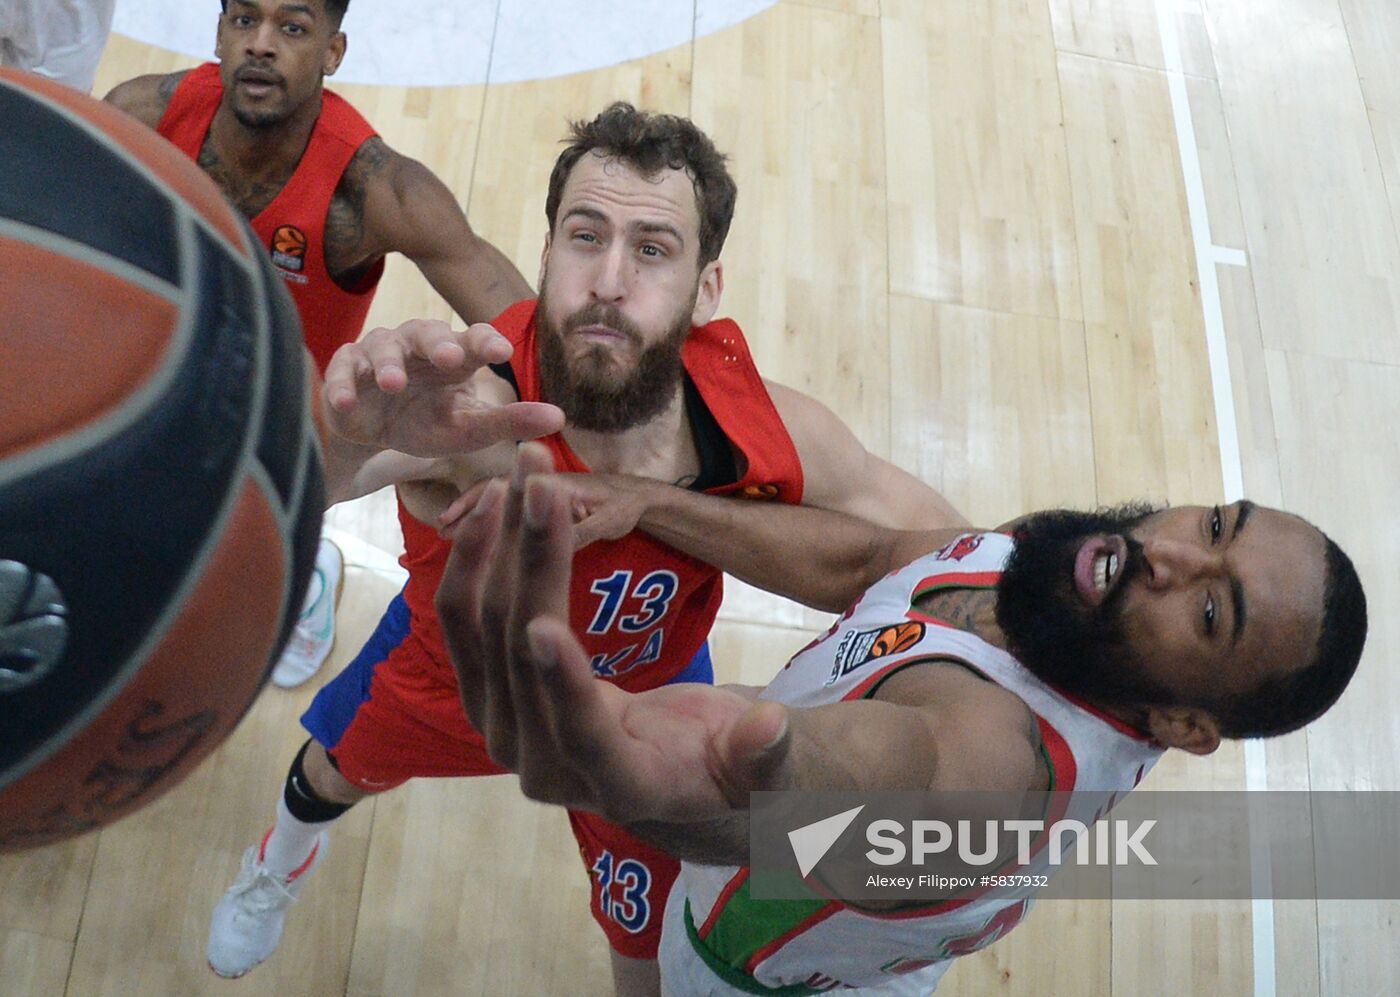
x: 971, y: 609
x: 267, y: 151
x: 662, y: 448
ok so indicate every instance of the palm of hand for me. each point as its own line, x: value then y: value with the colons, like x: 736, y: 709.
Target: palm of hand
x: 673, y: 757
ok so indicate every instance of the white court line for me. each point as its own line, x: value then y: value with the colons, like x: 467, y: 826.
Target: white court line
x: 1228, y: 256
x: 1231, y: 467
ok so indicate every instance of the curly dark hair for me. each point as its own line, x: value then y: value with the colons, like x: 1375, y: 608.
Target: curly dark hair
x: 651, y: 143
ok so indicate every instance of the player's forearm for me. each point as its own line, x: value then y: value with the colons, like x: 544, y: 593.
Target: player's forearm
x: 862, y: 746
x: 819, y: 558
x: 491, y: 286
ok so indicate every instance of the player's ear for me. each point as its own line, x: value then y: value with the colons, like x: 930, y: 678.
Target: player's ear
x: 1189, y: 728
x: 707, y: 295
x: 335, y: 52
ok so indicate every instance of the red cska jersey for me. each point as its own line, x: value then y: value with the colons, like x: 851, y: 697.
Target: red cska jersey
x: 293, y: 226
x: 642, y: 609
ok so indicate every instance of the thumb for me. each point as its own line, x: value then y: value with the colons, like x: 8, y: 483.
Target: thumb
x: 757, y: 751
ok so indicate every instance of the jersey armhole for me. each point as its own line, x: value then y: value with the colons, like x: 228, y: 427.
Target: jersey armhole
x: 506, y: 373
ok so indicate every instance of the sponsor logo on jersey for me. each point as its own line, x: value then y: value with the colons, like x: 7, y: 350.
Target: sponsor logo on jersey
x: 960, y: 548
x: 289, y: 248
x: 860, y: 647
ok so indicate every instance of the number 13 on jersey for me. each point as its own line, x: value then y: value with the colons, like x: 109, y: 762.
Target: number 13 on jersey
x: 631, y: 609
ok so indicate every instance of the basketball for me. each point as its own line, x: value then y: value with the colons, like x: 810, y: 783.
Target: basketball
x: 160, y: 484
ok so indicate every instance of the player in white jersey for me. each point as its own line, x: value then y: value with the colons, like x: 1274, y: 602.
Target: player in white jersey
x: 1065, y: 655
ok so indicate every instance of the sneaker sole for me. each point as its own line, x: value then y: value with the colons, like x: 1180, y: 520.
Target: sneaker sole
x: 229, y: 976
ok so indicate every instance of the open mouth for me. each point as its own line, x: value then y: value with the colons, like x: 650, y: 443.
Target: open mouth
x: 257, y: 82
x: 1098, y: 567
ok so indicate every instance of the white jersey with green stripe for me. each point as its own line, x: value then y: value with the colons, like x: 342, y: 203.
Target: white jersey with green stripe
x: 812, y: 946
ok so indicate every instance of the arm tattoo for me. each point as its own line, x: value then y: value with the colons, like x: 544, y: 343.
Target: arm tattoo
x: 345, y: 220
x: 959, y: 607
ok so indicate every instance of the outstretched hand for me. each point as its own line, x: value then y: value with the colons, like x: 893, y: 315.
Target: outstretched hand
x: 679, y: 753
x: 415, y: 389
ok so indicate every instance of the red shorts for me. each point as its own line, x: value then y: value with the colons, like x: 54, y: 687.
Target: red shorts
x: 394, y: 714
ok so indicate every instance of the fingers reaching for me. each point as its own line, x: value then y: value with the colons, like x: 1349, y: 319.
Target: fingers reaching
x: 459, y: 597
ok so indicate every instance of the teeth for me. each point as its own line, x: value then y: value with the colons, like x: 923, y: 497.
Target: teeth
x: 1105, y: 567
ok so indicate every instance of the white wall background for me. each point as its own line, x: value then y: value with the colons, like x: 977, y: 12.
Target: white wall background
x: 460, y: 42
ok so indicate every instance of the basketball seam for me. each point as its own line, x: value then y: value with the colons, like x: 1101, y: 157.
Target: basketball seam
x: 82, y: 252
x: 247, y: 464
x: 118, y: 149
x: 137, y: 404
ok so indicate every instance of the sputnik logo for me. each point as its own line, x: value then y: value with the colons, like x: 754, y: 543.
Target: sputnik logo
x: 812, y: 841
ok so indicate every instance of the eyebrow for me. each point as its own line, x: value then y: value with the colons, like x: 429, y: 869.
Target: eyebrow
x: 591, y: 213
x: 594, y: 214
x: 1242, y: 512
x: 287, y: 8
x: 663, y: 228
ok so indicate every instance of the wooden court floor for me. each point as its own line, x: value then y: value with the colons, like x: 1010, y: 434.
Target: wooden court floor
x: 1005, y: 240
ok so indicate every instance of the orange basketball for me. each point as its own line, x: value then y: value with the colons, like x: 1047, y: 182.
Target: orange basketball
x: 160, y: 489
x: 900, y: 637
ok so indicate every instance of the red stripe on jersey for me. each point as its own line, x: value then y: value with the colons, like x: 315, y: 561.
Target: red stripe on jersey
x: 958, y: 579
x: 730, y: 888
x: 804, y: 925
x: 1120, y: 726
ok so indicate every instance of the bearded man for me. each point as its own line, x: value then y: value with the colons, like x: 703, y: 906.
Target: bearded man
x: 623, y: 340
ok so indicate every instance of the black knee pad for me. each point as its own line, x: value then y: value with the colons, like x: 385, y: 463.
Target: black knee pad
x: 302, y: 800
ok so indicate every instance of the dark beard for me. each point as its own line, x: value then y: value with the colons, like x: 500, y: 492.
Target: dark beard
x: 1081, y: 650
x: 589, y: 397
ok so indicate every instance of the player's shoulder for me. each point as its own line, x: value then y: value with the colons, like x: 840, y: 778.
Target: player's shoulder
x: 146, y: 97
x: 378, y: 168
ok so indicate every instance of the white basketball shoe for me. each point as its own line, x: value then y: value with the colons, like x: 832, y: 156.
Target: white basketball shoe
x: 314, y: 635
x: 247, y: 925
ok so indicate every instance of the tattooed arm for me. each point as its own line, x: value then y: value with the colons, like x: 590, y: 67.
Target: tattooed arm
x: 388, y: 203
x: 145, y: 98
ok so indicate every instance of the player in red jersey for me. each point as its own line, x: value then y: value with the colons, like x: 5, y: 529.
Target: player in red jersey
x: 326, y: 197
x: 624, y: 341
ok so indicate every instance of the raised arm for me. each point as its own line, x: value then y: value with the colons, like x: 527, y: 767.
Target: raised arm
x: 410, y: 211
x: 685, y: 755
x: 423, y: 390
x: 839, y: 473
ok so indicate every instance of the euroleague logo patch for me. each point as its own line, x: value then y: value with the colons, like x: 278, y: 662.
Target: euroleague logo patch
x: 289, y: 248
x: 760, y: 493
x: 960, y: 548
x: 860, y: 647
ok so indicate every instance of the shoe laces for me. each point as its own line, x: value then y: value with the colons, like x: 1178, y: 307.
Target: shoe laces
x: 260, y: 891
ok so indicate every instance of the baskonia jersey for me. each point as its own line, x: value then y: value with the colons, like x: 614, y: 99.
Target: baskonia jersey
x: 293, y: 226
x: 819, y: 945
x: 641, y: 608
